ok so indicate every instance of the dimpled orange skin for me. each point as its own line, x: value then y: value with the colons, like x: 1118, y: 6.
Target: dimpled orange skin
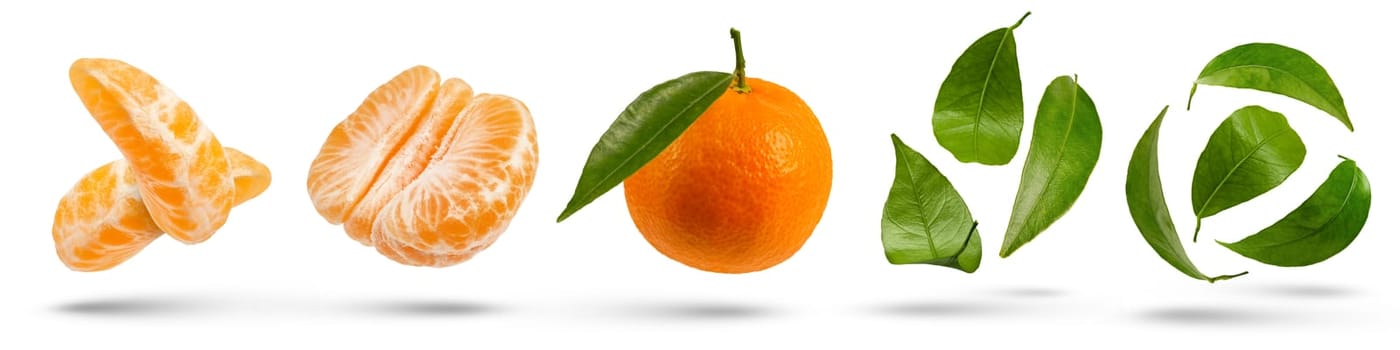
x: 741, y: 189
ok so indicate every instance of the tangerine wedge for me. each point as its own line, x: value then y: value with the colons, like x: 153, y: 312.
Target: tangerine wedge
x: 358, y: 148
x: 427, y: 174
x: 179, y: 167
x: 102, y: 221
x: 412, y: 159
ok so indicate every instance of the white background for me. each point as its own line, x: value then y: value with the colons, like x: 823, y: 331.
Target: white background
x: 272, y: 79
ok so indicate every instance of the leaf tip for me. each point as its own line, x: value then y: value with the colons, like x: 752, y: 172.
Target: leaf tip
x: 1227, y: 245
x: 570, y: 209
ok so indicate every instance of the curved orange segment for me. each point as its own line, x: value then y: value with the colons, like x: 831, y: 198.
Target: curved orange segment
x: 250, y: 177
x: 179, y: 168
x: 358, y: 149
x: 412, y: 158
x: 102, y: 221
x: 468, y: 192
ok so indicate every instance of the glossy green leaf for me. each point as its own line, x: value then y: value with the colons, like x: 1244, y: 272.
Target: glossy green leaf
x: 978, y: 114
x: 1327, y: 222
x: 1278, y: 69
x: 925, y: 220
x: 1251, y: 152
x: 649, y: 124
x: 1148, y: 205
x: 1064, y: 148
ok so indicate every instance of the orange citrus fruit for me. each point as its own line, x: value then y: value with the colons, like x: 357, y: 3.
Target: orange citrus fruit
x: 102, y: 221
x: 179, y: 168
x: 742, y: 188
x: 428, y: 174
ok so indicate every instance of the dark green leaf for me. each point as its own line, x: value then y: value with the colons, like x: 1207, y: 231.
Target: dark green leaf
x: 925, y: 220
x: 1064, y: 148
x: 979, y: 114
x: 1148, y: 205
x: 1321, y: 227
x: 1278, y: 69
x: 655, y: 119
x: 1251, y: 152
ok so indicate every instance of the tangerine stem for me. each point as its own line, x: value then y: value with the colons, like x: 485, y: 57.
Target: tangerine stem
x: 740, y: 85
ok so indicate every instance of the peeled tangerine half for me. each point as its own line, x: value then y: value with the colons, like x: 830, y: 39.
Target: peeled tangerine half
x: 102, y: 221
x: 429, y: 174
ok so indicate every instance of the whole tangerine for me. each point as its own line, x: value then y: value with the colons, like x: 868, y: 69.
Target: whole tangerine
x: 743, y: 188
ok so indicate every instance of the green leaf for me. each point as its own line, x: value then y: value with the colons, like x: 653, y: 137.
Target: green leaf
x: 1064, y: 148
x: 1278, y: 69
x: 1148, y: 205
x: 653, y: 120
x: 1251, y: 152
x: 978, y: 114
x: 1327, y: 222
x: 925, y: 220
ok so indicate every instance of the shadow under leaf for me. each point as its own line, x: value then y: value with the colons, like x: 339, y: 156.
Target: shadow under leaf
x: 1030, y: 292
x: 1308, y: 291
x: 938, y: 309
x: 1212, y: 316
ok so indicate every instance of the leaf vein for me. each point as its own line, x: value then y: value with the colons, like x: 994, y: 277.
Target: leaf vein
x: 982, y: 95
x: 919, y: 201
x: 1288, y: 73
x: 1236, y: 167
x: 1351, y: 189
x: 592, y: 192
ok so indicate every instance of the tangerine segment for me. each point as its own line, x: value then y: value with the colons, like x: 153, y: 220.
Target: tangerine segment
x: 406, y: 165
x: 469, y: 191
x: 250, y: 177
x: 102, y: 221
x: 179, y: 167
x: 742, y: 189
x: 358, y: 149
